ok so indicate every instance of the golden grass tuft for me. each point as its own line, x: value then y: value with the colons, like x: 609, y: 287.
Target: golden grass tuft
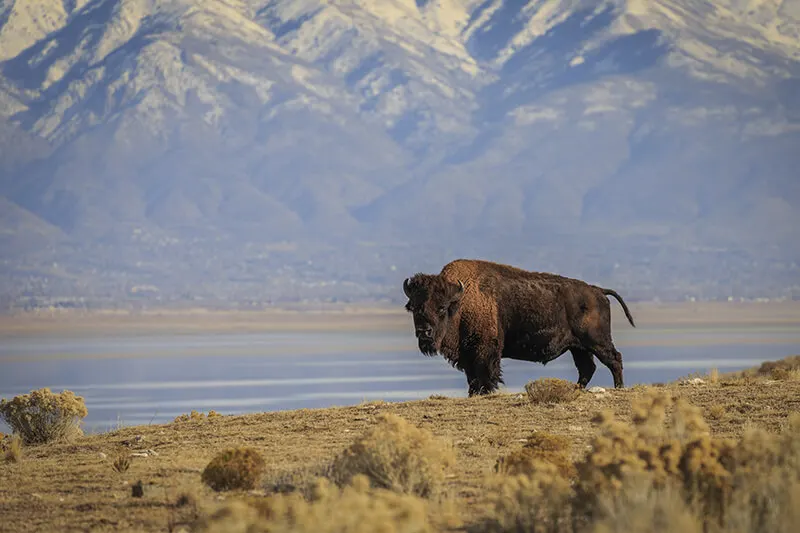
x: 196, y: 416
x: 41, y: 416
x: 551, y: 390
x: 13, y: 451
x: 355, y: 508
x: 398, y: 456
x: 234, y: 469
x: 121, y: 462
x: 716, y: 411
x: 300, y: 480
x: 539, y: 448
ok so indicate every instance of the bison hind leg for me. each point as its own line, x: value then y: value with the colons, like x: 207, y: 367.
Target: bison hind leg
x: 584, y: 361
x: 610, y: 357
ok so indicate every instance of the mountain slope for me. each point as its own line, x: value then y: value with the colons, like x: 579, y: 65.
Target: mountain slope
x: 419, y: 129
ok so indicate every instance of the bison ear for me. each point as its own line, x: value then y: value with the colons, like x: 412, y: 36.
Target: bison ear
x: 407, y: 287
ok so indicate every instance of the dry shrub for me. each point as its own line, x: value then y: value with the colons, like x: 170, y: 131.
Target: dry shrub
x: 13, y: 450
x: 539, y: 448
x: 539, y: 502
x: 662, y: 472
x: 784, y: 374
x: 727, y: 485
x: 551, y: 390
x: 356, y: 508
x: 784, y: 369
x: 196, y: 416
x: 640, y: 506
x: 233, y: 469
x: 42, y: 416
x: 398, y: 456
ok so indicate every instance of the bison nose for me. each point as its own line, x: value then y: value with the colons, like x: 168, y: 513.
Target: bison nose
x: 425, y: 331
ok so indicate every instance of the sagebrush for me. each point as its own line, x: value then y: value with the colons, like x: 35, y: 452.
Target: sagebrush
x: 551, y: 390
x: 662, y: 472
x: 234, y: 468
x: 41, y: 416
x: 398, y: 456
x: 539, y: 448
x: 354, y: 508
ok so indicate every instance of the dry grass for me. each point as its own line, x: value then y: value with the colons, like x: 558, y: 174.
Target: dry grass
x: 41, y: 416
x: 657, y: 457
x: 398, y: 456
x: 234, y: 468
x: 551, y: 390
x: 121, y: 462
x: 553, y: 450
x: 196, y: 416
x: 716, y: 411
x: 13, y: 450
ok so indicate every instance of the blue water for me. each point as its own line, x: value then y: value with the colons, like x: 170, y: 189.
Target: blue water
x: 140, y: 379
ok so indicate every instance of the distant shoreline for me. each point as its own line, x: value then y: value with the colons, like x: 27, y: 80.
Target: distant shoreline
x: 360, y: 318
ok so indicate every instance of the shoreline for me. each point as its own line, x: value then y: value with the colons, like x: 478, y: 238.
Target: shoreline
x: 360, y: 318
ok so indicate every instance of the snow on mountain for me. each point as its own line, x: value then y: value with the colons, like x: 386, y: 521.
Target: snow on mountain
x: 492, y: 121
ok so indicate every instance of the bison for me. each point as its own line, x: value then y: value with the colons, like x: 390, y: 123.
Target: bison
x: 475, y: 313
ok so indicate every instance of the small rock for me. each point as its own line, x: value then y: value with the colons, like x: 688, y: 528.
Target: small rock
x: 575, y: 428
x: 695, y: 381
x: 102, y: 455
x: 35, y: 495
x: 596, y: 390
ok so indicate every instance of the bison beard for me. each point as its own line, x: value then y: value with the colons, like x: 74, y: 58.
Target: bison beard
x: 476, y: 313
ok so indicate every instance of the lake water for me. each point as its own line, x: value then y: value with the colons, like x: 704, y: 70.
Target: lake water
x: 139, y: 379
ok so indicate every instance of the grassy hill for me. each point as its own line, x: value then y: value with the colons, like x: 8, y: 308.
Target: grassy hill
x: 547, y: 450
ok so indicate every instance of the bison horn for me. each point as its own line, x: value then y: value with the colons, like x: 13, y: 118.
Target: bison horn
x: 460, y: 287
x: 407, y: 287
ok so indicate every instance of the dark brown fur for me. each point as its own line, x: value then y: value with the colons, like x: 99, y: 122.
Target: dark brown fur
x: 476, y: 313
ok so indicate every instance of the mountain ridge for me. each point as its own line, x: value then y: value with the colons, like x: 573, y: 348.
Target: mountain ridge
x: 440, y: 127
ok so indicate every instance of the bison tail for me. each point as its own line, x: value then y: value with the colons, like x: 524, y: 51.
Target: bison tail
x: 609, y: 292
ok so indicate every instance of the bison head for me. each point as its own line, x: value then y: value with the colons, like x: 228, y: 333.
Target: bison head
x: 433, y: 301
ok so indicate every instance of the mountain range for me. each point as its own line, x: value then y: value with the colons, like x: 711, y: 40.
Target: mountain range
x: 296, y: 149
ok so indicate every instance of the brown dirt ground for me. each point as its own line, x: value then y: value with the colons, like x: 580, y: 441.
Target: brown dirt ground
x: 71, y: 487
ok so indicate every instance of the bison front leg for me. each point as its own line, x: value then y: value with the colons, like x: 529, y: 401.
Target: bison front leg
x: 484, y: 374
